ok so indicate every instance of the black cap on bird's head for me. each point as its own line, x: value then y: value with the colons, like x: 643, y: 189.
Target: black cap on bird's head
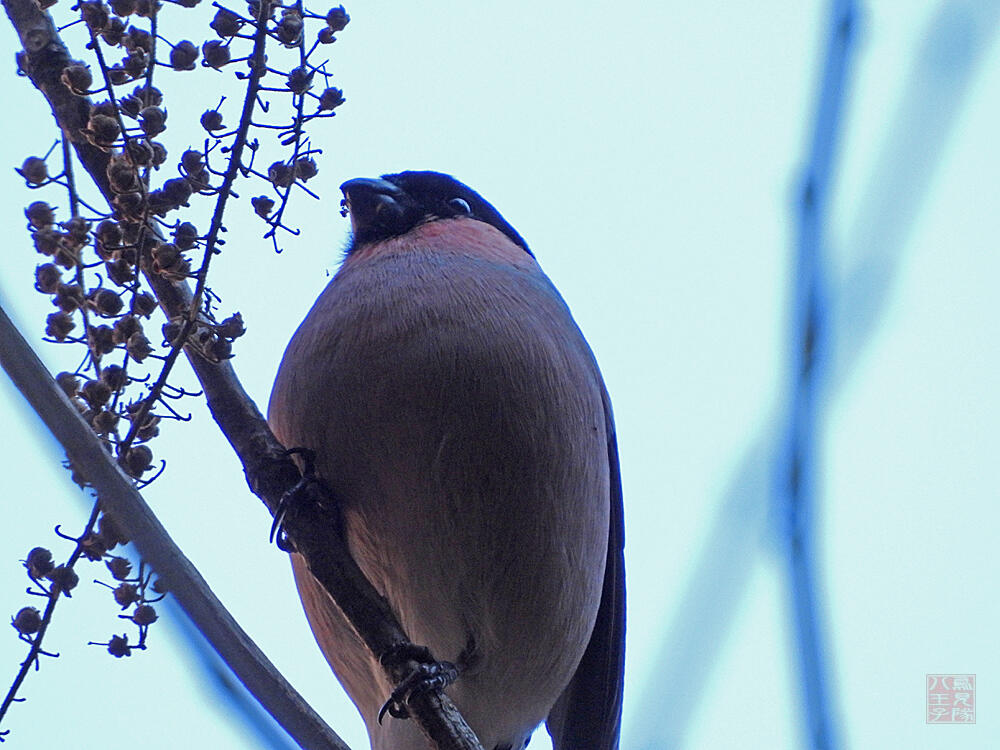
x: 395, y: 203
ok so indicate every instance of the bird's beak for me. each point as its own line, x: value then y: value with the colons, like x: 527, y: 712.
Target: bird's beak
x: 374, y: 206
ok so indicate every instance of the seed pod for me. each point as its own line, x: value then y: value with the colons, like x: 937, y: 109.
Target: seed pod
x: 27, y: 621
x: 34, y: 170
x: 337, y: 18
x: 215, y: 53
x: 63, y: 579
x: 152, y: 120
x: 39, y: 562
x: 330, y: 99
x: 118, y: 646
x: 211, y: 120
x: 184, y: 55
x: 77, y: 78
x: 48, y: 277
x: 58, y: 325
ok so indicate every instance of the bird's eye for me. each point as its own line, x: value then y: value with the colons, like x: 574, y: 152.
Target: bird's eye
x: 344, y: 210
x: 459, y: 206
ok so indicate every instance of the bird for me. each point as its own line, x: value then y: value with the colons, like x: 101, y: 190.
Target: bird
x: 457, y: 414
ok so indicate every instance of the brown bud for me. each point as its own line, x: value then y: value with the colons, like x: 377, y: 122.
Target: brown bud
x: 128, y: 206
x: 58, y: 325
x: 102, y: 130
x: 262, y: 206
x: 102, y: 340
x: 95, y: 393
x: 40, y: 215
x: 159, y: 586
x: 153, y: 120
x: 215, y: 53
x: 123, y: 176
x: 120, y: 271
x: 109, y: 234
x: 115, y: 376
x: 192, y: 160
x: 211, y: 120
x: 66, y: 255
x: 39, y: 562
x: 46, y: 241
x: 69, y: 297
x: 289, y: 28
x: 106, y: 303
x: 118, y: 646
x: 138, y: 347
x: 330, y: 99
x: 337, y: 18
x: 130, y: 106
x: 149, y: 430
x: 177, y: 191
x: 63, y: 579
x: 124, y: 327
x: 140, y: 152
x: 144, y: 615
x: 47, y: 278
x: 185, y: 235
x: 281, y: 174
x: 118, y: 75
x: 69, y: 383
x: 184, y: 55
x: 138, y: 40
x: 104, y: 107
x: 126, y: 594
x: 77, y: 230
x: 232, y: 327
x: 119, y: 568
x: 110, y: 532
x: 95, y: 15
x: 123, y: 8
x: 92, y: 546
x: 159, y: 153
x: 105, y: 422
x: 77, y: 78
x: 143, y: 304
x: 27, y: 621
x: 135, y: 63
x: 226, y: 23
x: 138, y: 459
x: 299, y: 80
x: 305, y: 168
x: 114, y: 32
x: 171, y: 330
x: 146, y: 8
x: 34, y: 171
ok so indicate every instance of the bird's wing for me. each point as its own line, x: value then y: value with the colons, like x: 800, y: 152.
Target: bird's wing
x: 588, y: 714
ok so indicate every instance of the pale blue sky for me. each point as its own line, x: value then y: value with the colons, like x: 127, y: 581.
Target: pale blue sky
x: 648, y: 154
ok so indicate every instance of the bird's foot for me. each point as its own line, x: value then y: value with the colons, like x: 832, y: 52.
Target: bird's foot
x: 291, y: 496
x: 427, y: 674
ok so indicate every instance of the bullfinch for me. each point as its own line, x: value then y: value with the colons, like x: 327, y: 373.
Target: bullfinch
x: 459, y: 418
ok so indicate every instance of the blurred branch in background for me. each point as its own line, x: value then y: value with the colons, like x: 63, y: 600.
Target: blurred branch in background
x: 916, y: 135
x: 795, y: 493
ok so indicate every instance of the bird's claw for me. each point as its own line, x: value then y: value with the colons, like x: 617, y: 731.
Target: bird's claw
x: 426, y: 676
x: 278, y: 535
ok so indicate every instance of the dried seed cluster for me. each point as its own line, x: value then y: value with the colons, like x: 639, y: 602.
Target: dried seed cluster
x: 100, y: 267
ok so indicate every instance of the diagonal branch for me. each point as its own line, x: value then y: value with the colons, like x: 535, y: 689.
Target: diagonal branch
x: 269, y: 470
